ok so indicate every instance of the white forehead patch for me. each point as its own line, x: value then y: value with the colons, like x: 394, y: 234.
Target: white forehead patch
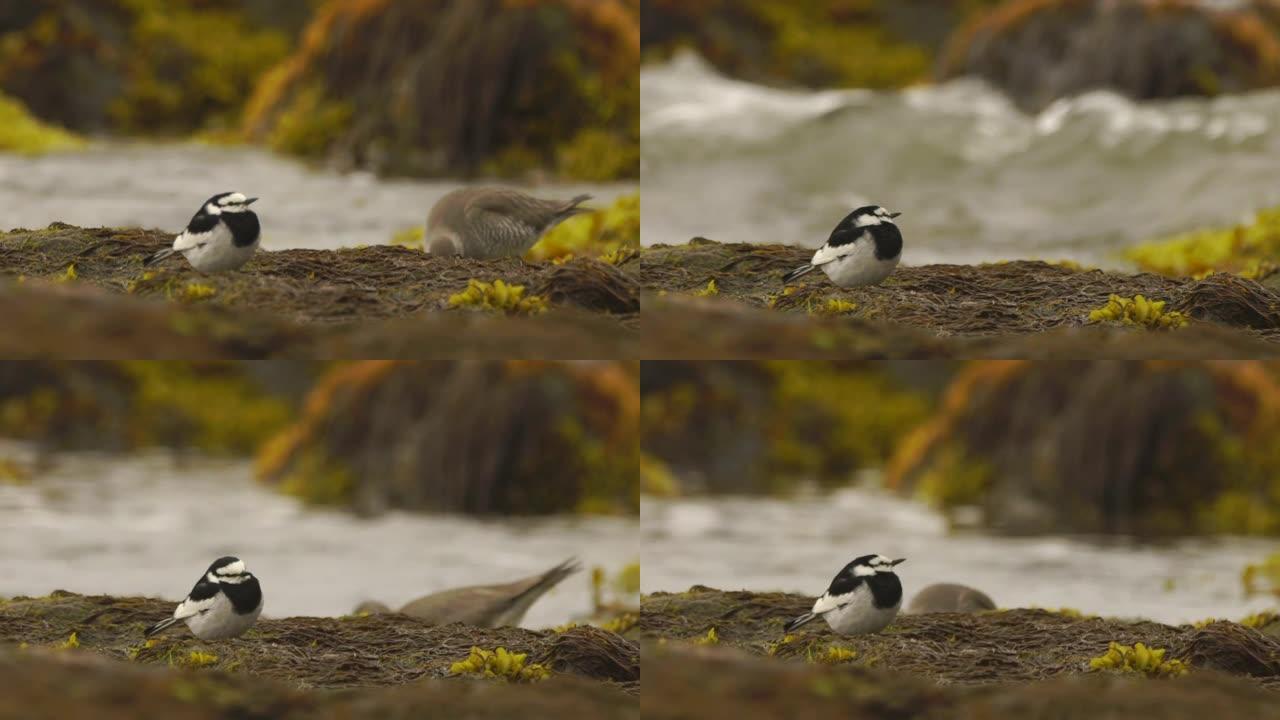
x: 863, y: 571
x: 870, y: 219
x: 233, y: 199
x: 235, y: 568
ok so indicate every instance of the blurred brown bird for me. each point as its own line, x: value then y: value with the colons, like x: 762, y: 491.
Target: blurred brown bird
x: 481, y: 605
x: 949, y: 597
x: 491, y: 222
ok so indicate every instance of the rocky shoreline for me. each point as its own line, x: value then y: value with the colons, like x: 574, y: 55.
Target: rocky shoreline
x: 928, y: 665
x: 290, y: 667
x: 730, y: 297
x: 83, y: 292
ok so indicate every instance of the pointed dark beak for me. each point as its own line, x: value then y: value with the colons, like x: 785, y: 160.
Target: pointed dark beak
x: 250, y: 201
x: 894, y: 215
x: 899, y: 560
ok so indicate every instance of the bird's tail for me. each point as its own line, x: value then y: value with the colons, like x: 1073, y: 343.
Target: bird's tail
x: 160, y: 627
x: 573, y: 207
x: 520, y: 602
x: 157, y: 257
x: 805, y: 618
x: 798, y: 272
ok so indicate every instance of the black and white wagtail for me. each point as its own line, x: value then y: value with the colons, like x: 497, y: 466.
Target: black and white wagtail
x: 221, y: 236
x: 225, y: 602
x: 863, y: 598
x: 863, y: 250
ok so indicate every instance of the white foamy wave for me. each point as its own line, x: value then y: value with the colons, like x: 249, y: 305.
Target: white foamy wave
x: 976, y: 179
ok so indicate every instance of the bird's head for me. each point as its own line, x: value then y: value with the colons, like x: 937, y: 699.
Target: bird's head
x: 872, y: 215
x: 868, y: 565
x: 228, y: 203
x: 228, y: 570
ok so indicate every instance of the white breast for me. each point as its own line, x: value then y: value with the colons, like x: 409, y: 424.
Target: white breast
x: 221, y: 620
x: 859, y: 615
x: 214, y: 251
x: 856, y: 265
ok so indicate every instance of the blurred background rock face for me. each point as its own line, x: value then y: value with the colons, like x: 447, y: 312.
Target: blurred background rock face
x: 1128, y: 448
x: 511, y: 438
x: 404, y: 87
x: 1036, y: 50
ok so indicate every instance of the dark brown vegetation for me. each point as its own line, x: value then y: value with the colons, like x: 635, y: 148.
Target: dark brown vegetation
x: 389, y: 666
x: 1013, y: 309
x: 380, y: 301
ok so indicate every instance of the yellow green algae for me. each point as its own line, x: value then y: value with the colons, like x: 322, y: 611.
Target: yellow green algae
x: 601, y: 234
x: 500, y: 664
x: 1250, y: 249
x: 1137, y: 658
x: 1140, y: 311
x: 498, y: 296
x: 21, y: 132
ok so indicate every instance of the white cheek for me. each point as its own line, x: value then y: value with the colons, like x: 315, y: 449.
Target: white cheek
x: 212, y: 209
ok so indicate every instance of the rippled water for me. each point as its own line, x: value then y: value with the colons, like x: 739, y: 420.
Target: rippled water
x: 161, y: 186
x: 797, y: 546
x: 148, y: 526
x: 975, y: 178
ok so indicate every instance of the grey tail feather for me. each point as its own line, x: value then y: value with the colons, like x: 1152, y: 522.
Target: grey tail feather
x: 807, y: 617
x: 550, y: 578
x: 158, y: 256
x: 160, y: 627
x: 572, y: 208
x: 798, y: 272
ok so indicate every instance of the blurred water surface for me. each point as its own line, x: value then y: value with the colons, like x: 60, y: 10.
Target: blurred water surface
x: 147, y: 526
x: 975, y: 178
x: 162, y: 186
x: 799, y: 545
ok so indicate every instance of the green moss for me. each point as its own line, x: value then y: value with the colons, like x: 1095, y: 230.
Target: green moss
x: 1260, y: 620
x: 500, y: 665
x: 711, y: 638
x: 1250, y: 250
x: 612, y: 234
x: 20, y: 132
x: 1137, y: 659
x: 69, y: 275
x: 1139, y: 311
x: 70, y: 643
x: 498, y: 296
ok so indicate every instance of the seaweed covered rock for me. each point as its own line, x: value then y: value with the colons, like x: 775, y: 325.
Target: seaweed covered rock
x: 442, y: 87
x: 305, y: 303
x: 66, y: 653
x: 978, y: 306
x: 815, y: 43
x: 1040, y: 50
x: 1151, y: 448
x: 215, y: 407
x: 499, y: 437
x: 991, y: 648
x: 76, y: 62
